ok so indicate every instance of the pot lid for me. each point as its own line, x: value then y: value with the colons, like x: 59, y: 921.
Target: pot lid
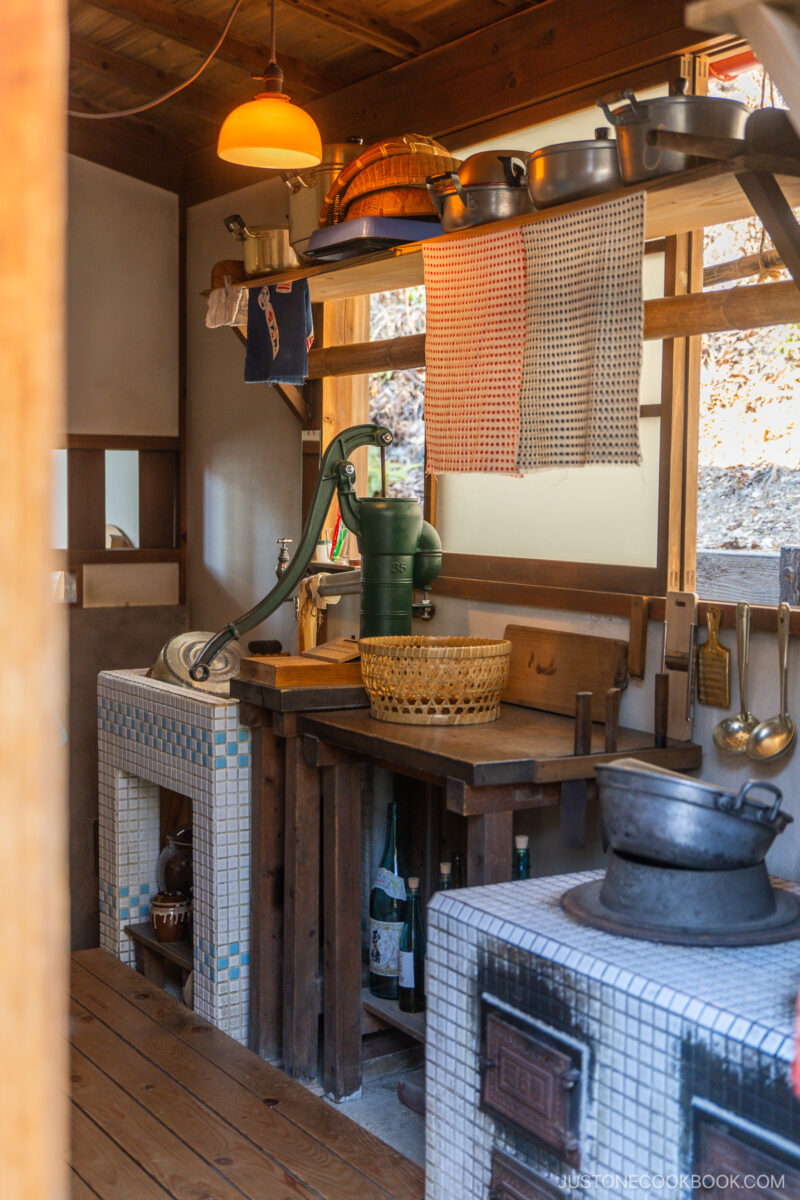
x: 602, y: 138
x: 498, y: 168
x: 672, y: 785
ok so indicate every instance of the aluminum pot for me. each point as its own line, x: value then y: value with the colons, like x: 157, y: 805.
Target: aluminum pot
x: 663, y: 817
x: 488, y: 186
x: 308, y: 189
x: 710, y: 116
x: 265, y: 247
x: 573, y: 170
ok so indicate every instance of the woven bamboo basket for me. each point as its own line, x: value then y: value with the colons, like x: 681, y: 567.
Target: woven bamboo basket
x: 434, y: 680
x: 393, y: 202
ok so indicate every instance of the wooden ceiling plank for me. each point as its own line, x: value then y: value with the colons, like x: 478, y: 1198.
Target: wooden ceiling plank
x: 148, y: 81
x: 363, y: 26
x: 201, y: 35
x: 552, y: 48
x: 160, y: 137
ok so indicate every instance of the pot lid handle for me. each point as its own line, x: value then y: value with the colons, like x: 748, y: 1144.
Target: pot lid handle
x: 602, y: 134
x: 235, y: 225
x: 622, y: 115
x: 514, y: 169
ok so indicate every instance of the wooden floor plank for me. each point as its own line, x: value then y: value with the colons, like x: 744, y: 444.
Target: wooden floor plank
x: 236, y: 1158
x: 180, y: 1171
x: 110, y: 1172
x: 390, y: 1171
x: 78, y: 1190
x: 147, y: 1019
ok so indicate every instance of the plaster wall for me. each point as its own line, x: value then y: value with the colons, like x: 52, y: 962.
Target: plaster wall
x: 464, y: 617
x: 243, y: 445
x: 122, y: 304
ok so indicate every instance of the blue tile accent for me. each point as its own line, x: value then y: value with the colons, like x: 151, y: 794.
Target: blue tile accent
x: 223, y: 962
x: 124, y: 891
x: 145, y: 889
x: 219, y: 762
x: 245, y: 960
x: 219, y: 736
x: 234, y: 972
x: 244, y: 760
x: 233, y: 948
x: 231, y: 747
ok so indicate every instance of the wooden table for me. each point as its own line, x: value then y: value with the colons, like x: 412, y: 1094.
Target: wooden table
x: 285, y: 992
x: 487, y: 772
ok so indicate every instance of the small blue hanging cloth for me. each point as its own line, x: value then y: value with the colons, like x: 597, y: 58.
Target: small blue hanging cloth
x: 280, y: 333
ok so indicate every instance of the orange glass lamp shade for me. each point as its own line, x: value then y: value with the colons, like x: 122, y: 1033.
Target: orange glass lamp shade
x: 270, y: 131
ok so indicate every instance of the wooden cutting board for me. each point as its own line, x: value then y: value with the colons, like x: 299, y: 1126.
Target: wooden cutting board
x: 293, y: 671
x: 548, y: 667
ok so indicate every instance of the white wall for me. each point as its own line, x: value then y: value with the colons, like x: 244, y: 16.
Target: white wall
x: 122, y: 304
x: 243, y: 444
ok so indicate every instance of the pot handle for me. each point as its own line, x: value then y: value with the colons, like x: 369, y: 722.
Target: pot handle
x: 433, y: 191
x: 514, y: 169
x: 622, y: 115
x: 295, y: 183
x: 447, y: 177
x: 766, y: 815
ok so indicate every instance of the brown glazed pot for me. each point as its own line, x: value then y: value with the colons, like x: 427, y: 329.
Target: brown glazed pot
x: 169, y: 916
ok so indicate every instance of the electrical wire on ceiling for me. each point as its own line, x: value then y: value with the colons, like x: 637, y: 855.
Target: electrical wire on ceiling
x: 140, y: 108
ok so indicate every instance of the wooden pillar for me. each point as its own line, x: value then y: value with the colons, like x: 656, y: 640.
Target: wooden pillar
x: 266, y: 884
x: 301, y: 987
x: 489, y: 848
x: 342, y: 891
x: 33, y: 970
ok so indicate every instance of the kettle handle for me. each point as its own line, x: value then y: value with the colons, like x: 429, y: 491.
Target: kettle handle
x: 514, y: 169
x: 446, y: 177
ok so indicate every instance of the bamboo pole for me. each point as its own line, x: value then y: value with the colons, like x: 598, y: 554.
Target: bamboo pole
x: 671, y: 317
x: 742, y: 268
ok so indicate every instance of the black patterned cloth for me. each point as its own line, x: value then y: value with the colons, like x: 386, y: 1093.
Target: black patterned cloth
x: 584, y: 316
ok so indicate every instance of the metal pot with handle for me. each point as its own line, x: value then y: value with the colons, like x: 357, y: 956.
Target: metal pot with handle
x: 308, y: 189
x: 710, y: 116
x: 266, y: 248
x: 488, y: 186
x: 573, y: 170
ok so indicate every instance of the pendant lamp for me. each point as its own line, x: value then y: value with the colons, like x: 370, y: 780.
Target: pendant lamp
x: 270, y: 131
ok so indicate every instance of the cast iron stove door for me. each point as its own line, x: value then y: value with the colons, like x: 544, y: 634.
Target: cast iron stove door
x: 531, y: 1080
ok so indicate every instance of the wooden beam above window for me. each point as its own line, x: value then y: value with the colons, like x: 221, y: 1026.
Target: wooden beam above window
x: 201, y: 35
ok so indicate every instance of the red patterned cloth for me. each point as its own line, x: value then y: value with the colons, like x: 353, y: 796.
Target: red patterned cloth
x: 475, y: 294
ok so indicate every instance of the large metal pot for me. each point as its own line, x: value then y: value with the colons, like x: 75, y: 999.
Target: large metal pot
x: 663, y: 817
x: 308, y: 189
x: 707, y: 115
x: 573, y: 170
x: 488, y: 186
x: 265, y: 247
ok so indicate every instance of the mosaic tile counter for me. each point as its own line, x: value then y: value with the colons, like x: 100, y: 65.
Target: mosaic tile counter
x: 152, y: 735
x: 658, y: 1043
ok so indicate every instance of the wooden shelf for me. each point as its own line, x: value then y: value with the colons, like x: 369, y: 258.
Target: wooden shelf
x: 179, y: 953
x: 675, y: 204
x: 389, y: 1011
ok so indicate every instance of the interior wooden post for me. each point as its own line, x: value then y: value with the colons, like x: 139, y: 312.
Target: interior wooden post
x: 33, y: 977
x: 345, y: 399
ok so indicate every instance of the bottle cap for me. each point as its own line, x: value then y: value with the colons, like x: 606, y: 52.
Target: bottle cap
x: 521, y: 841
x: 413, y: 883
x: 445, y: 868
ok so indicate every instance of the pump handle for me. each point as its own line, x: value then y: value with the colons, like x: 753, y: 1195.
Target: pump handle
x: 339, y: 450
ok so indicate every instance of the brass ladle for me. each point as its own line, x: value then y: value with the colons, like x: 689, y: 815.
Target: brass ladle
x: 733, y: 733
x: 773, y: 737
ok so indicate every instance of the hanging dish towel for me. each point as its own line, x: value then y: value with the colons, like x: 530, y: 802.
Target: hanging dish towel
x: 475, y: 289
x: 579, y: 401
x: 280, y: 333
x: 227, y: 306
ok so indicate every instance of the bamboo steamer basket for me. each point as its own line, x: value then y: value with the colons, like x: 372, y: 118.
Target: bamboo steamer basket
x: 429, y: 155
x: 416, y: 680
x: 393, y: 202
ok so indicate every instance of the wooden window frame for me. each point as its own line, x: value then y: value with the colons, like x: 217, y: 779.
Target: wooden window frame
x: 605, y: 587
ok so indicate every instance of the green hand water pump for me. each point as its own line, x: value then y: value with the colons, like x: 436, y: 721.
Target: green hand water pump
x: 399, y: 550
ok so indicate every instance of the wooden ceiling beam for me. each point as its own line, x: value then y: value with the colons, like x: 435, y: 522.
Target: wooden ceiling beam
x: 550, y: 49
x: 201, y: 35
x: 360, y: 24
x: 148, y: 81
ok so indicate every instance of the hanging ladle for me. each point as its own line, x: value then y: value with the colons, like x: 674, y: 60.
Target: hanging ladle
x: 733, y: 733
x: 773, y: 737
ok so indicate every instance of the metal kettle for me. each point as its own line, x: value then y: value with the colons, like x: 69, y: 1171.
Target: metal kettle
x: 266, y: 248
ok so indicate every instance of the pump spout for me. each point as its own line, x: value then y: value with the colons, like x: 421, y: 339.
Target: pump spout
x: 330, y: 474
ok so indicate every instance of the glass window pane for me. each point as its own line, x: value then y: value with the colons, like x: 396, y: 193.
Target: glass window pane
x: 122, y: 499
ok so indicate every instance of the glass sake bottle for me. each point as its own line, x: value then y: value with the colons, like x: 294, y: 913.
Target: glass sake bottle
x: 411, y: 990
x: 387, y: 913
x: 445, y: 877
x: 521, y: 862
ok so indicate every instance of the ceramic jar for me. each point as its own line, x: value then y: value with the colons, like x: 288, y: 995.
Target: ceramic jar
x: 175, y: 863
x: 169, y: 916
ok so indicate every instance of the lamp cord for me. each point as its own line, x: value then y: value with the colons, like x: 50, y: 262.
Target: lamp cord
x: 272, y: 57
x: 130, y: 112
